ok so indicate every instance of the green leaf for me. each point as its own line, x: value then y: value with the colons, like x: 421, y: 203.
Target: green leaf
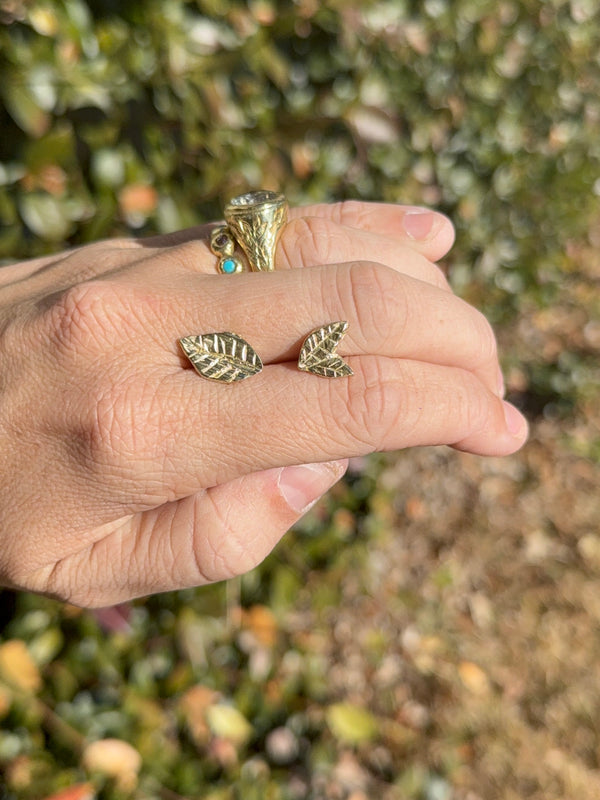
x: 23, y: 108
x: 46, y: 216
x: 228, y: 723
x: 351, y: 724
x: 46, y: 646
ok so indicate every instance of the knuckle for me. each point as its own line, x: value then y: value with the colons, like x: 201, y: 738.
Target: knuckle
x: 87, y: 318
x: 471, y: 407
x: 369, y: 407
x: 65, y: 584
x: 101, y: 435
x: 68, y: 586
x: 349, y: 212
x: 372, y: 293
x: 486, y: 340
x: 409, y: 405
x: 98, y: 258
x: 213, y: 561
x: 118, y: 429
x: 57, y: 580
x: 310, y: 241
x: 194, y: 255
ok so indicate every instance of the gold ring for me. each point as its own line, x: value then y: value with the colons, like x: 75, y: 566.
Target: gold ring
x: 254, y: 222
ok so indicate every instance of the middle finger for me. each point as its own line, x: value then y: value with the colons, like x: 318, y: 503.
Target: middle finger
x: 388, y: 314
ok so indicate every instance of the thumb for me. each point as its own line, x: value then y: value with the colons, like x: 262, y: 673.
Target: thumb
x: 243, y: 520
x: 211, y: 536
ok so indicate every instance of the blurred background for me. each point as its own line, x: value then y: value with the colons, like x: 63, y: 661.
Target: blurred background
x: 430, y: 631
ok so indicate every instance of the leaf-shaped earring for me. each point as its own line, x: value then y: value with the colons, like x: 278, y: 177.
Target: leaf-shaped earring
x: 223, y: 357
x: 318, y: 352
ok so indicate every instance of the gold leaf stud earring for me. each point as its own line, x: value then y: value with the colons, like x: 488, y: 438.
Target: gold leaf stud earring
x: 318, y: 355
x: 224, y: 357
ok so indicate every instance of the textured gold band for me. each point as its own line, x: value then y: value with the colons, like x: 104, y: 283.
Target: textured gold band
x: 254, y: 221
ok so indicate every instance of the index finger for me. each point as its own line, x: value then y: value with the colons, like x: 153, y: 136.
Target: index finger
x: 428, y: 232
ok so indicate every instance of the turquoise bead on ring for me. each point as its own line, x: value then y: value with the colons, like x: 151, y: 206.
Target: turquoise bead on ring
x: 223, y: 245
x: 230, y: 265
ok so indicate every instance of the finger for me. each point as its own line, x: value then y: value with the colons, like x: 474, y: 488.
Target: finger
x: 305, y: 242
x: 283, y: 416
x: 207, y: 537
x: 312, y: 241
x: 309, y: 242
x: 387, y: 312
x: 427, y: 231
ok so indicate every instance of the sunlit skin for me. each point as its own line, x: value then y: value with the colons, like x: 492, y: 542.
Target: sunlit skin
x: 125, y: 473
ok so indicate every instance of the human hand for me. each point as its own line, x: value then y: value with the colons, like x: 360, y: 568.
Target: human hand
x: 123, y: 473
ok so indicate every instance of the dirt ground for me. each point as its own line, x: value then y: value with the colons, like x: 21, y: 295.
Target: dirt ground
x: 485, y: 587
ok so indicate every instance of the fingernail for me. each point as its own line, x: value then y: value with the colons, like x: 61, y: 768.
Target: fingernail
x: 301, y: 486
x: 515, y: 421
x: 418, y: 223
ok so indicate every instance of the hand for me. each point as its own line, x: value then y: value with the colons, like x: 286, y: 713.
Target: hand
x: 124, y: 473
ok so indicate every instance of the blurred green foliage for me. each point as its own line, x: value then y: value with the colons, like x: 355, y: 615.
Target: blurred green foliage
x: 488, y: 110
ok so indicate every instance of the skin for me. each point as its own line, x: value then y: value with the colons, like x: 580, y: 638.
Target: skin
x: 124, y: 473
